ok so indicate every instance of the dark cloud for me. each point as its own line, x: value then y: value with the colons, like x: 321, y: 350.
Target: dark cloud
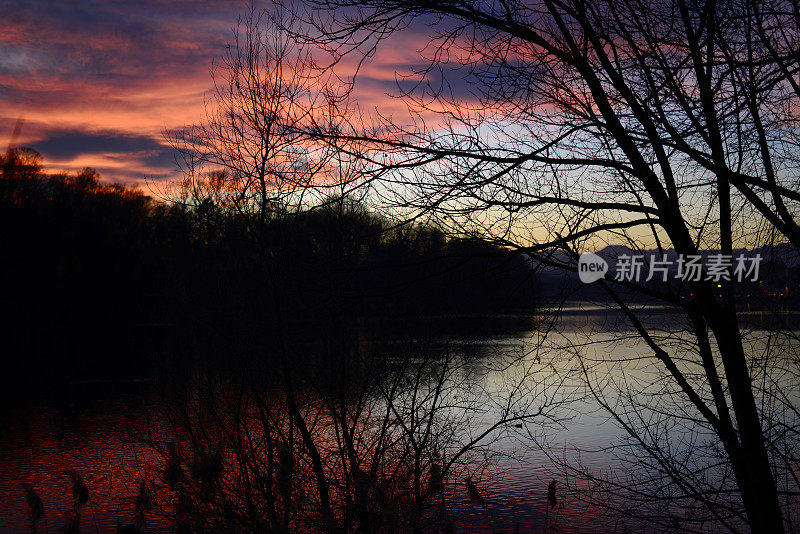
x: 92, y: 78
x: 109, y: 43
x: 452, y: 84
x: 63, y: 145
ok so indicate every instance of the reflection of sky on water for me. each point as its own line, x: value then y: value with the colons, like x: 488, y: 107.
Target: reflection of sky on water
x: 89, y: 428
x: 86, y: 427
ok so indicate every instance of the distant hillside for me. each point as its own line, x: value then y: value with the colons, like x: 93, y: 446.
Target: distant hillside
x: 779, y: 274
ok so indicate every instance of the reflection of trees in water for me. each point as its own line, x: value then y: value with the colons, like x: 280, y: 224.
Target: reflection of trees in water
x: 391, y: 445
x: 666, y: 466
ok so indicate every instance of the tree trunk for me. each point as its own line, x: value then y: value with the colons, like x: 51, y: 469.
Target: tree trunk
x: 751, y: 466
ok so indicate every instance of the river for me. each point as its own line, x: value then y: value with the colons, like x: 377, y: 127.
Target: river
x: 95, y: 428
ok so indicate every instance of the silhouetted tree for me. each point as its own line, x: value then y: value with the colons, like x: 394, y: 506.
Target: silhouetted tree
x: 611, y: 122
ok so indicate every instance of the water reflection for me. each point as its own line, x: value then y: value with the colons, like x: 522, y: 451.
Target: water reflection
x: 221, y: 450
x: 89, y: 429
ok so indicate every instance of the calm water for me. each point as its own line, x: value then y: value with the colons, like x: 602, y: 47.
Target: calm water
x: 93, y: 428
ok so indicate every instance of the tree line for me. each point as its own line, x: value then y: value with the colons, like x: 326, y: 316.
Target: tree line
x: 98, y: 274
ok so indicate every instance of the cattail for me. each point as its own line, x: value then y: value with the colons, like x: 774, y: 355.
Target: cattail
x: 285, y: 471
x: 207, y: 467
x: 472, y: 491
x: 363, y: 485
x: 551, y: 494
x: 80, y: 493
x: 35, y: 506
x: 142, y: 504
x: 172, y: 471
x: 435, y: 482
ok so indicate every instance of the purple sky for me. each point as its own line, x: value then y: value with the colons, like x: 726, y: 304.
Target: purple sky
x: 98, y: 82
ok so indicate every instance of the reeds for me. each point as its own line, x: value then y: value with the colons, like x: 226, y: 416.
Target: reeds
x: 143, y: 504
x: 473, y: 493
x: 551, y: 494
x: 35, y: 506
x: 80, y: 493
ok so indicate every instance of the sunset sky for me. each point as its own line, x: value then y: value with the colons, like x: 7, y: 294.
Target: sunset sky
x: 98, y: 82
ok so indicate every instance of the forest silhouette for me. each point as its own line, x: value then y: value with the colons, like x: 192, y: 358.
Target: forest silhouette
x: 105, y: 280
